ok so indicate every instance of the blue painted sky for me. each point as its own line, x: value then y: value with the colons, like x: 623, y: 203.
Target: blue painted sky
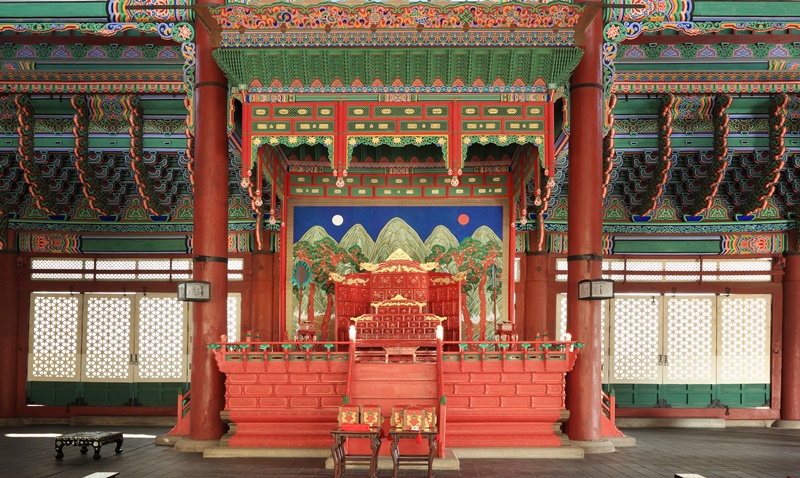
x: 422, y: 218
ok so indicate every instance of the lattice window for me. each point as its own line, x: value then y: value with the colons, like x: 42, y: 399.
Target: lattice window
x: 683, y: 266
x: 710, y: 269
x: 690, y: 340
x: 55, y: 335
x: 744, y: 329
x: 234, y: 315
x: 613, y: 265
x: 645, y: 266
x: 100, y: 269
x: 161, y: 338
x: 561, y: 265
x: 63, y: 264
x: 561, y: 325
x: 107, y: 339
x: 752, y: 265
x: 115, y: 265
x: 154, y: 265
x: 561, y: 314
x: 636, y: 340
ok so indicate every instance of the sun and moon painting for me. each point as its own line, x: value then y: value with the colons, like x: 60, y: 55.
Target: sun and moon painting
x: 380, y: 230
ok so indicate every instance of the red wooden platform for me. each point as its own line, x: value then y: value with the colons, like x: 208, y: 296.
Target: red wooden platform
x: 486, y: 396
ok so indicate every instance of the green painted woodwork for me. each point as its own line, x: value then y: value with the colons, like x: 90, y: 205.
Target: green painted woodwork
x: 125, y: 244
x: 623, y: 245
x: 478, y: 125
x: 376, y: 126
x: 54, y: 393
x: 102, y: 394
x: 83, y: 11
x: 749, y: 395
x: 691, y: 65
x: 243, y: 66
x: 105, y: 394
x: 747, y: 9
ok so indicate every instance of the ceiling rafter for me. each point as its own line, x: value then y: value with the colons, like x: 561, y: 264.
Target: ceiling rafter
x: 715, y: 171
x: 92, y: 189
x: 764, y: 185
x: 144, y: 183
x: 37, y: 186
x: 655, y: 185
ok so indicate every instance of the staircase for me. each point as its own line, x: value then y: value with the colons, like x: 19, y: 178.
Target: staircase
x: 389, y: 384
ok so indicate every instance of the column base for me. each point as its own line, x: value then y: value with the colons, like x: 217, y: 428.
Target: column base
x: 168, y: 440
x: 594, y: 447
x: 195, y: 446
x: 789, y: 424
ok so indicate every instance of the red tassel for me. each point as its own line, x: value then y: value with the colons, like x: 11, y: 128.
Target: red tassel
x: 419, y: 437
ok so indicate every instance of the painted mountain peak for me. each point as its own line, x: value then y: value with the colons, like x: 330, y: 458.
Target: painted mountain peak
x: 398, y: 234
x: 358, y: 236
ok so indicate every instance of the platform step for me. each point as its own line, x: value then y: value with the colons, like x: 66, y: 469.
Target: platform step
x: 103, y: 474
x: 405, y: 372
x: 688, y: 475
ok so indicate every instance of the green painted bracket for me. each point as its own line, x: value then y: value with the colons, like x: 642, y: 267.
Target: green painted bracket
x: 264, y: 347
x: 329, y: 347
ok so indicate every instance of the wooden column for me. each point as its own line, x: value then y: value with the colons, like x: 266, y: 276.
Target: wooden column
x: 262, y: 293
x: 790, y: 375
x: 9, y: 340
x: 210, y: 241
x: 535, y: 295
x: 585, y: 204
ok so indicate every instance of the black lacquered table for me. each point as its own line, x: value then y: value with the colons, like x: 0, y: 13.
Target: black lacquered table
x: 341, y: 459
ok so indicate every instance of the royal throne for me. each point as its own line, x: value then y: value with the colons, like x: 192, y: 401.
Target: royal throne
x: 397, y: 305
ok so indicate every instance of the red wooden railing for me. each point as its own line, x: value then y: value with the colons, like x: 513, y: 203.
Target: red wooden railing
x: 609, y: 425
x: 184, y: 407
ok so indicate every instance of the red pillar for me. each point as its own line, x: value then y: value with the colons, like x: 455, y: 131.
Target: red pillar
x: 210, y: 241
x: 262, y: 293
x: 584, y: 226
x: 535, y: 295
x: 9, y: 346
x: 790, y: 375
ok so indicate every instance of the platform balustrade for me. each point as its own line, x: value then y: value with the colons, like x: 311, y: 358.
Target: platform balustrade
x: 287, y: 394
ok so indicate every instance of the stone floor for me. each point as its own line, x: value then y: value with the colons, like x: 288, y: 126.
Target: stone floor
x: 660, y: 452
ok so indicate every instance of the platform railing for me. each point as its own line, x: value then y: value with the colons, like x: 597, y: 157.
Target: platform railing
x: 608, y: 402
x: 442, y: 399
x: 181, y: 427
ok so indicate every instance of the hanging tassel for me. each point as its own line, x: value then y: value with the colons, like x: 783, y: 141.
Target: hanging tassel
x: 419, y: 437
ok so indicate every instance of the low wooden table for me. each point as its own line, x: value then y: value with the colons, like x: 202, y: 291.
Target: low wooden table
x: 85, y: 439
x: 397, y: 460
x: 342, y: 459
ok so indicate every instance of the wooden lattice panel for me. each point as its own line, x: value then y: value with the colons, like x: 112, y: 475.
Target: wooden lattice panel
x: 636, y: 340
x: 690, y: 340
x: 55, y: 338
x: 107, y: 343
x: 161, y: 334
x: 744, y: 329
